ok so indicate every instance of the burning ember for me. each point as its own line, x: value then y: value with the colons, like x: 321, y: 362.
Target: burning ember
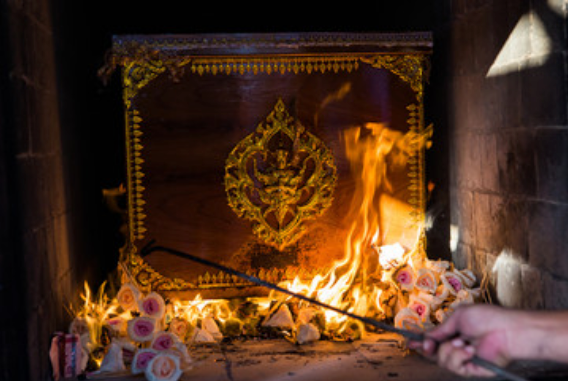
x: 392, y: 282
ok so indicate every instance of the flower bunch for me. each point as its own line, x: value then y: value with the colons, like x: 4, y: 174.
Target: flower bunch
x: 429, y: 291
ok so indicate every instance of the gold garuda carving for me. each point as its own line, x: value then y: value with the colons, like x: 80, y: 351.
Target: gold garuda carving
x: 279, y: 177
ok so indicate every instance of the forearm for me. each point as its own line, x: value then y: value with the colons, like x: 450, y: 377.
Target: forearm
x: 540, y: 336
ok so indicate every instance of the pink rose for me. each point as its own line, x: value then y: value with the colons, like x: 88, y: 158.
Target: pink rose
x: 455, y: 283
x: 164, y: 367
x: 405, y: 278
x: 128, y: 296
x: 141, y: 329
x: 468, y: 277
x: 426, y: 280
x: 408, y: 319
x: 118, y: 325
x: 419, y: 306
x: 141, y: 360
x: 452, y: 282
x: 153, y: 305
x: 163, y: 341
x: 179, y: 327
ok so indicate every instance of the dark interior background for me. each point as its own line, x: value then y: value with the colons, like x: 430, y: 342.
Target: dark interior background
x: 499, y: 161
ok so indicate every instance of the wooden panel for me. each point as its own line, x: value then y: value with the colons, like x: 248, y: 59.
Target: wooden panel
x: 191, y: 122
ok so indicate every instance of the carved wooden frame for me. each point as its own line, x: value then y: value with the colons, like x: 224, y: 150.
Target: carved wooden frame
x: 143, y: 58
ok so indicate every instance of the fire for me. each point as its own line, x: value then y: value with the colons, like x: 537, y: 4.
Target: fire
x: 357, y: 283
x: 390, y: 256
x: 97, y: 311
x: 351, y: 283
x: 384, y: 274
x: 198, y: 308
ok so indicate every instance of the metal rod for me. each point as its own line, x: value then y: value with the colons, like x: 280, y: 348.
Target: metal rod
x: 414, y: 336
x: 378, y: 324
x: 499, y: 371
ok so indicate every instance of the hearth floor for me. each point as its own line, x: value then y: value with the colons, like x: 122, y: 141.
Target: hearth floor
x: 376, y: 357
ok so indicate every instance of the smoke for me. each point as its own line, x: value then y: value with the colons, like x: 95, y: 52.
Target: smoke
x: 330, y: 98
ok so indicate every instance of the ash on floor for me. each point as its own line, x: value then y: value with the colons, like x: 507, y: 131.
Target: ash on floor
x: 376, y: 357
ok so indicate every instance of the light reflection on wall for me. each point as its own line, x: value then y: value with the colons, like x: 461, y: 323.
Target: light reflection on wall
x: 558, y: 7
x: 527, y: 46
x: 454, y: 237
x: 507, y: 272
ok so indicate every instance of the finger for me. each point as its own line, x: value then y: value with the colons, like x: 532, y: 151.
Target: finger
x: 429, y: 347
x: 448, y: 329
x: 444, y: 354
x: 417, y: 345
x: 470, y: 369
x: 456, y: 358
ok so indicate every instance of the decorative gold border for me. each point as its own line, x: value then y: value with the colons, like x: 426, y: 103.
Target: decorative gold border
x: 141, y: 64
x: 408, y: 67
x: 270, y: 65
x: 135, y: 188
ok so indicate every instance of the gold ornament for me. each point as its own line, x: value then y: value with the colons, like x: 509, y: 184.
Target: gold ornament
x: 279, y: 177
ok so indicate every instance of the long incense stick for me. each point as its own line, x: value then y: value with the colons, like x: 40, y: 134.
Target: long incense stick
x: 415, y: 336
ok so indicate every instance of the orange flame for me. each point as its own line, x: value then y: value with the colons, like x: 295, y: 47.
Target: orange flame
x: 377, y: 242
x: 347, y: 284
x: 95, y: 313
x: 199, y: 308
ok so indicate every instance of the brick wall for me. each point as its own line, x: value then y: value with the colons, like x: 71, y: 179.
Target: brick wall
x: 39, y: 179
x: 55, y: 230
x: 508, y: 139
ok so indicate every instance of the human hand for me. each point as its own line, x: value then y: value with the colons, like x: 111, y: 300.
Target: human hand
x: 475, y: 330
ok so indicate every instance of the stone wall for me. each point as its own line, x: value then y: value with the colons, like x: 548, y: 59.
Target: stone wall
x: 508, y: 139
x: 52, y: 217
x: 39, y: 179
